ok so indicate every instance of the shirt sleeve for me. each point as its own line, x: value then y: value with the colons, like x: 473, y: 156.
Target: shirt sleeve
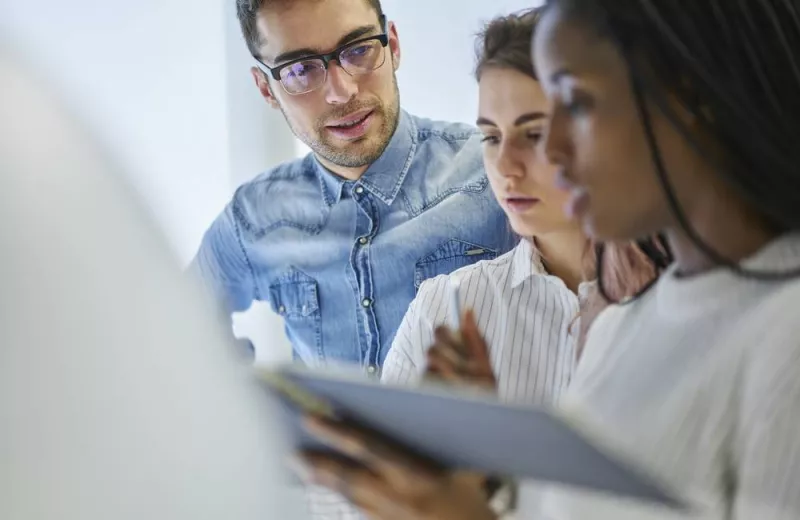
x: 766, y: 479
x: 406, y: 361
x: 222, y: 266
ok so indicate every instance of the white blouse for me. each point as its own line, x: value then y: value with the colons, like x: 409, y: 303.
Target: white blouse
x: 527, y: 317
x: 699, y: 381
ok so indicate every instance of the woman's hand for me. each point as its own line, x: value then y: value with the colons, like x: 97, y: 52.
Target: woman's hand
x: 385, y: 481
x: 461, y: 358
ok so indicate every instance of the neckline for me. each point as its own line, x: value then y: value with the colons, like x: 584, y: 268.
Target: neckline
x: 680, y: 297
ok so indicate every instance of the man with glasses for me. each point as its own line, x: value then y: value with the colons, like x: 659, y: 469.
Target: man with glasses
x: 339, y: 241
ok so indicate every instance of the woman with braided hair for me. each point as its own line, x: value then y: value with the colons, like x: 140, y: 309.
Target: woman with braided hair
x: 678, y: 118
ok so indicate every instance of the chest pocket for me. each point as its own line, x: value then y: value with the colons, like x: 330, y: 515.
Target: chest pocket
x: 448, y: 257
x: 295, y: 297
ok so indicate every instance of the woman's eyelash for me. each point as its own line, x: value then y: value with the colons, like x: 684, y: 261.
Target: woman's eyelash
x: 577, y: 105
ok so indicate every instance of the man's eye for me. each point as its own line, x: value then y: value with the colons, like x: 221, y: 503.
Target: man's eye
x: 301, y: 69
x: 360, y: 50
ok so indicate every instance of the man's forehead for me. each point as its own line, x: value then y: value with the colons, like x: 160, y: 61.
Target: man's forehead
x: 317, y: 27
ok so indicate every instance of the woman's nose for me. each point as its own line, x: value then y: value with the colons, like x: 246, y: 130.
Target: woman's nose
x: 510, y: 160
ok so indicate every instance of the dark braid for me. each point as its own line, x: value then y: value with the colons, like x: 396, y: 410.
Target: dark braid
x: 732, y: 65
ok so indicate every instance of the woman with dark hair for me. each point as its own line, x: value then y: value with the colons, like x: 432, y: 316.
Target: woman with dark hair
x: 673, y: 117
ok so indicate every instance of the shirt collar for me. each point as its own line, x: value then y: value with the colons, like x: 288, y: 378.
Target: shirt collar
x: 330, y: 184
x: 385, y: 176
x: 526, y: 263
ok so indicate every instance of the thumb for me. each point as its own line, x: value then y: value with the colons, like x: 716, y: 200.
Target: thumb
x: 476, y: 346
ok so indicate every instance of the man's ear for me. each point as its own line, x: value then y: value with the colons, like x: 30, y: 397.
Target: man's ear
x: 394, y: 45
x: 262, y: 83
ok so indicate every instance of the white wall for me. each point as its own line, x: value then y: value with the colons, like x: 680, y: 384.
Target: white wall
x: 150, y: 78
x: 167, y: 87
x: 437, y: 39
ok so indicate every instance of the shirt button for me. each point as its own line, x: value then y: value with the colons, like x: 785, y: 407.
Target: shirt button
x: 363, y: 241
x: 282, y: 309
x: 372, y: 369
x: 359, y: 190
x: 367, y: 303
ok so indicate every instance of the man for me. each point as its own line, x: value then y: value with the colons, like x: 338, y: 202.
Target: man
x: 339, y: 241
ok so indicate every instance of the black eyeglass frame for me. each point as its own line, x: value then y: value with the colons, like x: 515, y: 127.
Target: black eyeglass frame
x: 327, y: 58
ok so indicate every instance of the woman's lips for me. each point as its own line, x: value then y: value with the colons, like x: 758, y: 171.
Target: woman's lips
x: 521, y: 204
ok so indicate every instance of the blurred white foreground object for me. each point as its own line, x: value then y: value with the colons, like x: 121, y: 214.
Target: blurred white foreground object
x: 119, y: 396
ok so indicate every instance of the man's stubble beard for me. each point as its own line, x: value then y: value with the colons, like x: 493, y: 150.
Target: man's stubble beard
x: 323, y: 148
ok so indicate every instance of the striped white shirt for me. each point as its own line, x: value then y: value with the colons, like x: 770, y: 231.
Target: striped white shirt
x: 698, y: 381
x: 526, y: 315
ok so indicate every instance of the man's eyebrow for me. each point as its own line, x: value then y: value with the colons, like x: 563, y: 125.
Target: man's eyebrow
x: 353, y: 35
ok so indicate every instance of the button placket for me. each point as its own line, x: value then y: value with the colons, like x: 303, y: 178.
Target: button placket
x: 365, y: 226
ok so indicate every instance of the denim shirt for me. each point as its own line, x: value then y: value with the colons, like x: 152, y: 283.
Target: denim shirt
x: 342, y: 260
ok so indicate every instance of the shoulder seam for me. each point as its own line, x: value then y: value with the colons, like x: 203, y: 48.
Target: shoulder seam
x: 446, y: 136
x: 469, y: 270
x: 250, y: 269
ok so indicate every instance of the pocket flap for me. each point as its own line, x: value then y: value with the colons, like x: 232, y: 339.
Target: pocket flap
x: 294, y: 295
x: 448, y: 257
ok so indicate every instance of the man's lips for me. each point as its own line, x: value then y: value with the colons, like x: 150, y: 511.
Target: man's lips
x: 350, y: 120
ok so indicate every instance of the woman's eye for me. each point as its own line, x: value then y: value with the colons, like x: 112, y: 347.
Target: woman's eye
x: 490, y: 139
x: 535, y: 136
x: 578, y: 105
x: 575, y: 108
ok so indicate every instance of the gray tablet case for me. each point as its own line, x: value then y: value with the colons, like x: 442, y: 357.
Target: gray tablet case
x: 470, y: 431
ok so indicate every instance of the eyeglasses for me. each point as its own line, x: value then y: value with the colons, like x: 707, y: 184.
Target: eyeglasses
x: 310, y: 72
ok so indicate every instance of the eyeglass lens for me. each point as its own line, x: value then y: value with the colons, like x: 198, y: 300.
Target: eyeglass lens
x: 360, y: 58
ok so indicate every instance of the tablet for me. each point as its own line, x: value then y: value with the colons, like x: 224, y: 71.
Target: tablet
x: 465, y: 430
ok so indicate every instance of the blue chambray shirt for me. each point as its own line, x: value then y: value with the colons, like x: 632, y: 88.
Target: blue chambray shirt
x: 342, y: 260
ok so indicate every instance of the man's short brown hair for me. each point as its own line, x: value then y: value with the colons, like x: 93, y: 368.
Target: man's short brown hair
x: 247, y: 12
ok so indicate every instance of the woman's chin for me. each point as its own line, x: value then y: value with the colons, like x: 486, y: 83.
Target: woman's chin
x: 524, y: 229
x: 540, y: 227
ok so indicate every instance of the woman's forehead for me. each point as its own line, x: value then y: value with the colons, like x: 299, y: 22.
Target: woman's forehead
x: 564, y: 45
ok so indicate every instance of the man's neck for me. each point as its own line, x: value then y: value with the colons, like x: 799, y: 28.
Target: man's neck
x: 351, y: 174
